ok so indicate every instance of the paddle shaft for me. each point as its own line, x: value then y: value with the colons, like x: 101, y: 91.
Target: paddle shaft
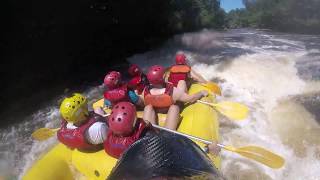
x: 259, y: 156
x: 187, y: 135
x: 179, y: 133
x: 204, y: 102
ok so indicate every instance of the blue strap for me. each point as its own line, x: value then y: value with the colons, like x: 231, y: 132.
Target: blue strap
x: 107, y: 103
x: 134, y: 98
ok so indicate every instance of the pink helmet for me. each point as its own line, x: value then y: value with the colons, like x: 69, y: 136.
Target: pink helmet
x: 112, y: 79
x: 155, y: 75
x: 123, y: 118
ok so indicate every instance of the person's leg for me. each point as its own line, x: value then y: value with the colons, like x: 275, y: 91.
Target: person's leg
x: 173, y: 117
x: 149, y: 114
x: 182, y: 85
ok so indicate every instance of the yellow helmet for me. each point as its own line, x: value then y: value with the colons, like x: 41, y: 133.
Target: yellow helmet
x: 74, y: 109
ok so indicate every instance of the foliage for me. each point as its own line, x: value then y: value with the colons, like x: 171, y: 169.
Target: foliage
x: 188, y: 15
x: 284, y: 15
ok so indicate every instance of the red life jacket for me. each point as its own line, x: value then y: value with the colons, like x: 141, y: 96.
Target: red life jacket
x: 117, y: 95
x: 178, y: 73
x: 116, y: 145
x: 138, y: 83
x: 159, y: 101
x: 75, y: 138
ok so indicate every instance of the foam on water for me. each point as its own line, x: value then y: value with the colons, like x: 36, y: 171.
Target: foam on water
x: 264, y: 81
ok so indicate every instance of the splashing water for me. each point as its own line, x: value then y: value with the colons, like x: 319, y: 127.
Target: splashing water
x: 275, y: 75
x: 267, y: 72
x: 17, y: 149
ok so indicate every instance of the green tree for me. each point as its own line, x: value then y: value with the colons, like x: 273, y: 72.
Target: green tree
x: 283, y: 15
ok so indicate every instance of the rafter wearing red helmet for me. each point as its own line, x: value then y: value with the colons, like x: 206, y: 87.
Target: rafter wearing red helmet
x: 163, y: 97
x: 124, y: 129
x: 139, y: 80
x: 181, y: 73
x: 118, y: 91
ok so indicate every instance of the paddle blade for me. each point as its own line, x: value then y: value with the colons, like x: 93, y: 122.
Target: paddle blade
x: 213, y: 87
x: 232, y: 110
x: 98, y: 104
x: 260, y: 155
x: 43, y: 133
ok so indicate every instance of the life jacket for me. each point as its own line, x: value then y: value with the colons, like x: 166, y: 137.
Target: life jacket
x: 117, y: 95
x: 159, y: 101
x: 75, y: 138
x: 115, y: 145
x: 138, y: 83
x: 178, y: 73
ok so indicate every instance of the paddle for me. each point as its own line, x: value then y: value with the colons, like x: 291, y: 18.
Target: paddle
x: 252, y: 152
x: 45, y: 133
x: 232, y: 110
x: 213, y: 87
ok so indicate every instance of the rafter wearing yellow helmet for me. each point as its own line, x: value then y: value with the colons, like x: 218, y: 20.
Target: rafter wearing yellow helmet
x: 79, y: 128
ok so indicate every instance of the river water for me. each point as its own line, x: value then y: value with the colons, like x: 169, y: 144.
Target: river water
x: 276, y: 75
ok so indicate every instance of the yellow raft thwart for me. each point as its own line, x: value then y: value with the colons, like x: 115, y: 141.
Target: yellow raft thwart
x: 197, y: 119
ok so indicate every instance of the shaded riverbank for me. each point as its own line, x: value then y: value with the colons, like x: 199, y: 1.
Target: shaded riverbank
x: 56, y: 45
x: 62, y: 47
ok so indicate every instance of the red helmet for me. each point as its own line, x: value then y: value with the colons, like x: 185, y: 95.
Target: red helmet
x: 112, y: 79
x: 181, y: 59
x: 122, y: 119
x: 156, y: 75
x: 134, y: 70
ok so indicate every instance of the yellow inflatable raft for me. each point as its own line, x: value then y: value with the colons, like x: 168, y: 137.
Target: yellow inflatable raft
x: 61, y: 163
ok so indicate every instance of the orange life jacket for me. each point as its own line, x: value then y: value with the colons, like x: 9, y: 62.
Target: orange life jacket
x: 162, y: 100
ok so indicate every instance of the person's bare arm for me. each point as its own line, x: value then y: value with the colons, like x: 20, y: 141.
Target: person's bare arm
x: 197, y: 77
x: 182, y: 96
